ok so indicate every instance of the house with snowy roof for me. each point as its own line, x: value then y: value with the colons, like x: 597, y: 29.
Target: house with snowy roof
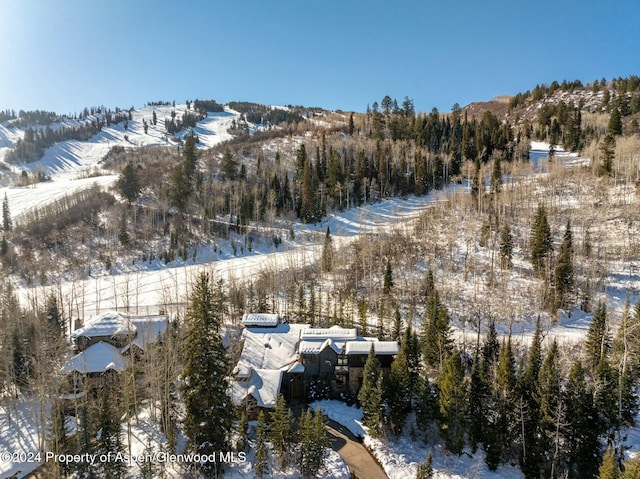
x: 120, y: 330
x: 268, y: 366
x: 302, y: 362
x: 106, y: 345
x: 334, y: 360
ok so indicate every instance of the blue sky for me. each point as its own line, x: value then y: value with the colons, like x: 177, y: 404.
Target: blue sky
x: 64, y: 55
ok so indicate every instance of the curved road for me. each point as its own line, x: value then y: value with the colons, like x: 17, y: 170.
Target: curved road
x: 355, y: 455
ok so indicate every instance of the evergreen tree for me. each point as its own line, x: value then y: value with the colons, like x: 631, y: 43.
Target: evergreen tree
x: 181, y: 188
x: 506, y: 247
x: 452, y: 403
x: 309, y: 210
x: 209, y: 411
x: 549, y: 387
x: 425, y: 468
x: 605, y: 399
x: 597, y: 344
x: 436, y: 332
x: 426, y: 402
x: 496, y: 175
x: 362, y: 317
x: 429, y: 285
x: 609, y: 468
x: 607, y: 150
x: 109, y: 440
x: 282, y: 420
x: 399, y: 390
x: 190, y: 157
x: 129, y: 184
x: 370, y: 395
x: 582, y: 444
x: 627, y: 369
x: 351, y: 126
x: 490, y: 348
x: 85, y: 442
x: 301, y: 160
x: 615, y: 122
x: 7, y: 223
x: 57, y: 440
x: 396, y: 329
x: 501, y: 416
x: 54, y: 317
x: 573, y: 134
x: 550, y: 400
x: 476, y: 182
x: 261, y: 465
x: 413, y: 355
x: 477, y: 413
x: 228, y: 166
x: 123, y: 234
x: 313, y: 443
x: 327, y: 252
x: 388, y: 279
x: 541, y: 243
x: 243, y: 431
x: 527, y: 386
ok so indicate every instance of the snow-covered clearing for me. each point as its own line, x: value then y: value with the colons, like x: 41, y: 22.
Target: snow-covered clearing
x: 144, y: 288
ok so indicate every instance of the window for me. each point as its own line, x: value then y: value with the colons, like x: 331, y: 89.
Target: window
x: 342, y: 366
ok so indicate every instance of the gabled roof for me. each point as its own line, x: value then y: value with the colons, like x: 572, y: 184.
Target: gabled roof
x: 97, y: 358
x: 296, y: 367
x: 270, y: 348
x: 379, y: 347
x: 334, y: 332
x: 263, y: 385
x: 260, y: 319
x: 148, y: 330
x: 107, y: 324
x: 316, y: 347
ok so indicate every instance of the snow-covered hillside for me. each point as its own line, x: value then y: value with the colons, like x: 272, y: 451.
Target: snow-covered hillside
x: 75, y: 165
x: 71, y: 158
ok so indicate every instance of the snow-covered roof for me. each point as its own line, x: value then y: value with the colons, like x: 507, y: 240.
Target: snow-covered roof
x: 260, y: 319
x: 108, y: 324
x: 334, y: 332
x: 148, y: 329
x: 97, y: 358
x: 263, y: 385
x: 380, y: 347
x: 316, y: 347
x: 270, y: 348
x: 297, y: 367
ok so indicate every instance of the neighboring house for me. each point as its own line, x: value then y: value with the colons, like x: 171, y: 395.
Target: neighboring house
x: 106, y: 345
x: 301, y: 362
x: 120, y: 330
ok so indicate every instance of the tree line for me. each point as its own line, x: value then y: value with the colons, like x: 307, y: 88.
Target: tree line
x: 31, y: 147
